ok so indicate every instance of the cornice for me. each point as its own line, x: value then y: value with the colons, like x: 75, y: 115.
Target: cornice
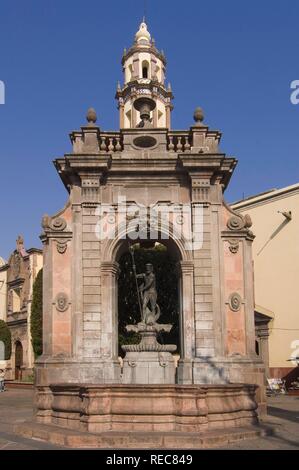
x: 138, y: 49
x: 266, y: 198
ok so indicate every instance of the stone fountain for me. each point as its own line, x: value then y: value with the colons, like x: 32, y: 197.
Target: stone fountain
x: 148, y: 362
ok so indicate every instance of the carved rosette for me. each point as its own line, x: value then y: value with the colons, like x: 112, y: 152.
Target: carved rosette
x: 235, y: 302
x: 234, y: 246
x: 61, y: 302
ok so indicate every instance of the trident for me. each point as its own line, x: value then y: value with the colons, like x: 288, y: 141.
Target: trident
x: 131, y: 249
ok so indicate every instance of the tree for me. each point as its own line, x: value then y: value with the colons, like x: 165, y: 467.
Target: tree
x: 37, y: 315
x: 5, y: 337
x: 167, y: 289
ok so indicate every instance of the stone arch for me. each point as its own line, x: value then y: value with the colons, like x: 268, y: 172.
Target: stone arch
x: 112, y: 249
x: 145, y: 69
x: 167, y: 235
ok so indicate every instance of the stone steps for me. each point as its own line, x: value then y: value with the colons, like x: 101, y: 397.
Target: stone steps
x: 136, y: 440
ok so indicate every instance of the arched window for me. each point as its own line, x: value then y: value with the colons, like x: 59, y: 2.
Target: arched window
x: 145, y: 69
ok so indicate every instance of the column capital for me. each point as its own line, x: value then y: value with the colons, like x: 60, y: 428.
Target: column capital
x: 110, y: 267
x: 186, y: 266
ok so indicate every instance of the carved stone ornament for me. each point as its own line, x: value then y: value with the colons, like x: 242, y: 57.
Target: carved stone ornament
x: 180, y: 219
x: 235, y: 302
x: 237, y: 222
x: 57, y: 225
x: 234, y: 246
x: 62, y: 302
x: 61, y: 246
x: 16, y: 265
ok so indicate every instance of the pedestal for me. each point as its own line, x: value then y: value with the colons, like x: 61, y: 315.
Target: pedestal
x: 149, y: 362
x: 148, y: 368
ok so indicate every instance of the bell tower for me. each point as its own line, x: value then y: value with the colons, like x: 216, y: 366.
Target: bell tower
x: 143, y: 100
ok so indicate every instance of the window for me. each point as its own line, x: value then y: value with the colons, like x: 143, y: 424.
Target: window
x: 145, y: 69
x: 257, y: 347
x: 144, y: 72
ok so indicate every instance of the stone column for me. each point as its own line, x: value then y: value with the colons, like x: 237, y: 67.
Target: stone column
x: 168, y: 115
x: 263, y: 335
x: 155, y: 117
x: 77, y: 282
x: 47, y: 296
x: 109, y: 335
x: 187, y: 324
x: 198, y: 138
x: 153, y: 74
x: 218, y: 281
x: 136, y: 71
x: 121, y: 115
x: 249, y: 298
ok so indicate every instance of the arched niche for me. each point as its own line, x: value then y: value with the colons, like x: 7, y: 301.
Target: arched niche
x: 145, y: 69
x: 112, y: 251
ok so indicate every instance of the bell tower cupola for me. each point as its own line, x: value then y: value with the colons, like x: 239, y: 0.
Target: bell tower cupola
x: 143, y: 100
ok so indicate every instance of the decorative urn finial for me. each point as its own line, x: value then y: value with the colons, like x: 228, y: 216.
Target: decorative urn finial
x: 198, y: 116
x: 91, y: 116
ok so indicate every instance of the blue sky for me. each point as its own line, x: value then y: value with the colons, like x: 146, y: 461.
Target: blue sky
x: 235, y: 59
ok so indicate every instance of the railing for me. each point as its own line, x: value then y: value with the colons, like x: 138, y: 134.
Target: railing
x: 179, y: 141
x: 111, y: 142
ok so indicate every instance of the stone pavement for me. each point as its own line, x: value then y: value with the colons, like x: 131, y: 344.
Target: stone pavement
x: 16, y: 406
x: 283, y: 416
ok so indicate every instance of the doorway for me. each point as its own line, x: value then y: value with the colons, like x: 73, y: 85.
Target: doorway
x: 18, y: 360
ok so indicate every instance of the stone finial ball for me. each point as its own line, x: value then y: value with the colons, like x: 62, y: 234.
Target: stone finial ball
x: 198, y: 115
x: 91, y: 115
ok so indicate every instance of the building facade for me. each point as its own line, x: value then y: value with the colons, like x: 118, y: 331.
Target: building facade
x: 275, y: 217
x: 20, y: 272
x: 3, y: 294
x: 144, y: 183
x: 3, y: 298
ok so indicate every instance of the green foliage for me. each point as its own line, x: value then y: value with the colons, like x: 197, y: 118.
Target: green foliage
x: 37, y: 315
x: 28, y: 379
x: 167, y: 289
x: 5, y: 336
